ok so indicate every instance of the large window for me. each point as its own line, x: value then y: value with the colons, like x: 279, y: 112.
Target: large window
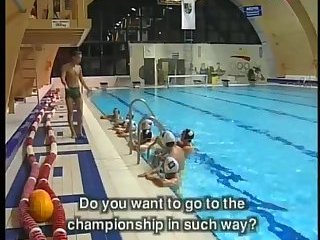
x: 114, y: 23
x: 217, y: 21
x: 98, y: 59
x: 105, y: 59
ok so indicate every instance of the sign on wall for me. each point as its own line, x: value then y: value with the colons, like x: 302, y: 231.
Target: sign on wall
x: 60, y: 23
x: 149, y: 51
x: 252, y: 11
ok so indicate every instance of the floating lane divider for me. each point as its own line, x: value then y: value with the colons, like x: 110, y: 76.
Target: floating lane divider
x: 39, y: 176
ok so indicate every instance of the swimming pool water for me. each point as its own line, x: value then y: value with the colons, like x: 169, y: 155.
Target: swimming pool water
x: 257, y: 143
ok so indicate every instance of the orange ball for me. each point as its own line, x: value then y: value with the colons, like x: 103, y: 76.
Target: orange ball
x: 40, y: 206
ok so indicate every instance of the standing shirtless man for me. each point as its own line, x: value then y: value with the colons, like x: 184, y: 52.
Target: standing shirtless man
x: 71, y: 74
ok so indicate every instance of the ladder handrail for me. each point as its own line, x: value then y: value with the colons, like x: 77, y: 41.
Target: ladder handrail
x: 130, y: 118
x: 157, y: 123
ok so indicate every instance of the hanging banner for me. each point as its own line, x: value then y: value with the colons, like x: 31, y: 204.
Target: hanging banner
x: 188, y: 14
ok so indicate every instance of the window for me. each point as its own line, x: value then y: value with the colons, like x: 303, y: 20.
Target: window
x: 107, y: 66
x: 95, y: 49
x: 85, y: 50
x: 121, y: 67
x: 108, y: 50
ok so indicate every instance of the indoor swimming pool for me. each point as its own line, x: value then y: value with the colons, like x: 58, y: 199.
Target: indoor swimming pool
x: 258, y: 143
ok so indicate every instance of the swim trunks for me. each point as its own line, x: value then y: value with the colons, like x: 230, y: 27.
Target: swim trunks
x: 73, y: 93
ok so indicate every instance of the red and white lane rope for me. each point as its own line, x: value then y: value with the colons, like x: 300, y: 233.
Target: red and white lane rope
x: 39, y: 176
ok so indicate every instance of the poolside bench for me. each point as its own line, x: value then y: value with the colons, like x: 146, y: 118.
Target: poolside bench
x: 136, y: 84
x: 252, y: 82
x: 197, y: 81
x: 225, y: 82
x: 104, y: 85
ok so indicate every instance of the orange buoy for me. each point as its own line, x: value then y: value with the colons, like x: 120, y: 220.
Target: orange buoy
x: 40, y: 206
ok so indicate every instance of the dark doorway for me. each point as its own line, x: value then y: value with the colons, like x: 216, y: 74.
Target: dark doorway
x: 149, y: 71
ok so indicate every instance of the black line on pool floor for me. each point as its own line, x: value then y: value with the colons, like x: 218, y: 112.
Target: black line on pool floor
x: 265, y: 98
x: 239, y: 124
x: 269, y: 91
x: 252, y: 106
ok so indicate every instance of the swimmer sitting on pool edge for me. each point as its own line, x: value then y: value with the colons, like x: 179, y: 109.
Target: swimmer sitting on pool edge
x: 166, y: 174
x: 115, y: 117
x: 124, y: 132
x: 121, y: 125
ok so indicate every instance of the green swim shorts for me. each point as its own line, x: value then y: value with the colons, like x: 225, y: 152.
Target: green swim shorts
x: 73, y: 93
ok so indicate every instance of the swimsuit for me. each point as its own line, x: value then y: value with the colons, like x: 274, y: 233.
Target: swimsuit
x: 73, y: 92
x: 146, y: 136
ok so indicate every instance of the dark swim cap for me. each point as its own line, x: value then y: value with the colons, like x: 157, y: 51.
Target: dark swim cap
x: 128, y: 116
x: 187, y: 134
x: 116, y: 110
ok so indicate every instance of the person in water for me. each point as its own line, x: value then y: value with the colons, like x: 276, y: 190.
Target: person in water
x: 166, y: 174
x: 71, y: 75
x: 179, y: 150
x: 165, y: 142
x: 146, y: 136
x: 115, y: 117
x: 185, y: 141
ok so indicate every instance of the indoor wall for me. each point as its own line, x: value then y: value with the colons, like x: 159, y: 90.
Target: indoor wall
x: 289, y: 28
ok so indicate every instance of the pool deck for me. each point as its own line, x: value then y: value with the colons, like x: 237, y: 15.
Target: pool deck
x: 99, y: 168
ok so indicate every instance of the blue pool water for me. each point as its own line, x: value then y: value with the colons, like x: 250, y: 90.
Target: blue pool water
x: 257, y: 143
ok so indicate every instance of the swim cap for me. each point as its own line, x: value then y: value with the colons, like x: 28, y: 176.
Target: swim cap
x: 167, y: 137
x: 147, y: 124
x: 126, y: 122
x: 128, y: 116
x: 146, y: 134
x: 133, y: 126
x: 171, y: 165
x: 187, y: 134
x: 116, y: 110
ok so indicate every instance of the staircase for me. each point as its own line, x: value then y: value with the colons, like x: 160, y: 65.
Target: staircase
x: 29, y: 72
x: 24, y: 81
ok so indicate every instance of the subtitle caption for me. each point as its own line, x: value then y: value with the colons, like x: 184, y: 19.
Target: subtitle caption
x: 157, y: 225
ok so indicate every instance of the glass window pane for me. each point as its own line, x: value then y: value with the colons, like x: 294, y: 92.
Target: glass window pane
x: 107, y: 66
x: 121, y: 67
x: 95, y: 50
x: 91, y: 66
x: 108, y: 50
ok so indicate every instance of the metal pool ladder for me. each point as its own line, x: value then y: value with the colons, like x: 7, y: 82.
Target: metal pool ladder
x: 151, y: 117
